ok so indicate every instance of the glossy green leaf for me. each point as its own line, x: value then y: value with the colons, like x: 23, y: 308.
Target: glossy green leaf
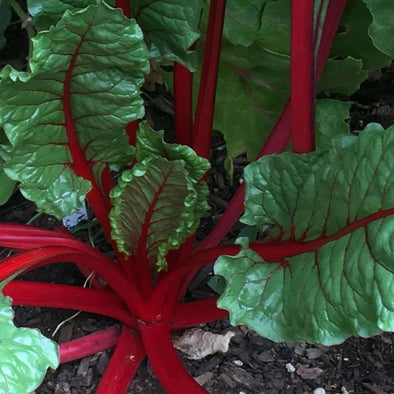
x: 353, y: 38
x: 155, y: 208
x: 331, y: 116
x: 382, y: 27
x: 331, y: 215
x: 5, y: 18
x: 170, y: 27
x: 83, y: 89
x: 49, y: 12
x: 25, y: 354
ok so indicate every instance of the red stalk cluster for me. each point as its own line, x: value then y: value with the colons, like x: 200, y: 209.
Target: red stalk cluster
x: 149, y: 316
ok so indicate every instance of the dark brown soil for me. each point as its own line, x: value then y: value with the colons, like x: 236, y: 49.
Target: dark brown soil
x: 253, y: 364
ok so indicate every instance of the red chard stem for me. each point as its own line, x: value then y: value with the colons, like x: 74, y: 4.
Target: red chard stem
x: 203, y: 122
x: 30, y: 293
x: 165, y: 362
x: 88, y: 345
x: 124, y: 363
x: 302, y: 76
x: 183, y: 81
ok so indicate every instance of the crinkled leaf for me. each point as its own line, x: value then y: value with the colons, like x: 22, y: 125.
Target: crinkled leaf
x: 25, y: 354
x: 155, y: 208
x: 353, y: 38
x: 49, y: 12
x: 330, y: 121
x: 151, y: 143
x: 170, y: 28
x: 331, y: 273
x: 382, y: 27
x: 83, y: 90
x: 5, y: 18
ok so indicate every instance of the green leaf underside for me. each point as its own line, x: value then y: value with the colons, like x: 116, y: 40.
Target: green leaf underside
x: 5, y: 18
x: 255, y: 68
x: 84, y: 88
x: 170, y: 26
x: 155, y: 208
x: 333, y: 212
x: 25, y: 354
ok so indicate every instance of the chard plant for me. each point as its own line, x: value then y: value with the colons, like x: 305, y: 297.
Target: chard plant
x: 323, y: 270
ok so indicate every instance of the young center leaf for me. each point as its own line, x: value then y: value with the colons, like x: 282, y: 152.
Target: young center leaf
x: 65, y: 120
x: 159, y: 202
x: 25, y: 354
x: 326, y: 271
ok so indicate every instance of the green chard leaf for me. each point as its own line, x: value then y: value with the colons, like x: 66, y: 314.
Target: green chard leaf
x: 242, y: 21
x: 331, y: 215
x: 170, y: 26
x: 25, y: 354
x: 158, y: 204
x: 353, y: 38
x: 82, y: 91
x: 5, y: 18
x: 48, y: 13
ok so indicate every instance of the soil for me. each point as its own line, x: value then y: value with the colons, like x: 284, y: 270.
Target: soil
x: 253, y: 364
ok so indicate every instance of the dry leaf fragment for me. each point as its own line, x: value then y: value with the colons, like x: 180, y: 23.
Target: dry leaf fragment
x: 197, y: 344
x: 309, y: 373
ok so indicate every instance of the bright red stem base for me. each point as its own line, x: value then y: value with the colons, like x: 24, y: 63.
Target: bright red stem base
x: 88, y: 345
x: 123, y: 365
x: 165, y: 362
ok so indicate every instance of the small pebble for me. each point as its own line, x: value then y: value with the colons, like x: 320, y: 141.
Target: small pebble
x: 345, y: 359
x: 290, y: 368
x: 238, y: 362
x: 319, y: 390
x: 242, y: 392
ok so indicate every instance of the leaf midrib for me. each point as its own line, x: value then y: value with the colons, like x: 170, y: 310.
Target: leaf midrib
x: 274, y: 252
